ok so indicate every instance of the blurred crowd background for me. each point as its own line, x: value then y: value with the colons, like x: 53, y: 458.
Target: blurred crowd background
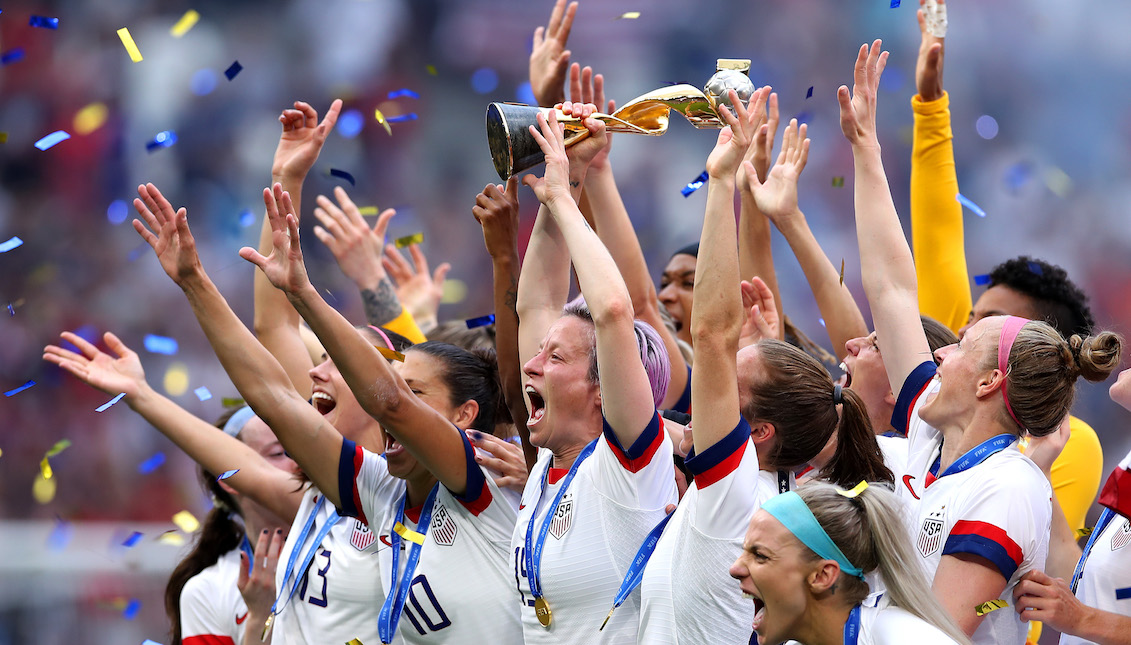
x: 1038, y: 96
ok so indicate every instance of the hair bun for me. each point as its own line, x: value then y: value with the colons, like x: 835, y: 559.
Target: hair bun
x: 1096, y: 357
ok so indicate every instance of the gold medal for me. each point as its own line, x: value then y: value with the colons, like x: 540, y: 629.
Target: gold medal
x: 542, y: 610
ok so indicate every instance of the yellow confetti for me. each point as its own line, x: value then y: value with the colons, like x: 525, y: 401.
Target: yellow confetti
x: 453, y: 291
x: 59, y: 447
x: 90, y: 118
x: 842, y: 272
x: 354, y: 641
x: 992, y: 605
x: 43, y: 490
x: 186, y: 521
x: 367, y: 210
x: 415, y: 238
x: 176, y: 380
x: 859, y: 488
x: 171, y: 537
x: 45, y: 468
x: 381, y: 119
x: 408, y: 534
x: 186, y: 22
x: 431, y: 69
x: 1084, y: 532
x: 390, y: 354
x: 128, y: 42
x: 3, y: 137
x: 838, y: 182
x: 628, y: 15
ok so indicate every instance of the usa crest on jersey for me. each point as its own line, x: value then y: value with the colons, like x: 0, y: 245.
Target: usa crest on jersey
x: 563, y: 517
x: 931, y: 534
x: 1122, y: 536
x: 443, y: 527
x: 361, y: 538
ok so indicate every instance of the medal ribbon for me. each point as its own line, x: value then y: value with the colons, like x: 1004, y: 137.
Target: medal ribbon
x: 1105, y: 518
x: 394, y: 602
x: 329, y: 524
x: 636, y: 570
x: 852, y: 626
x: 534, y: 549
x: 976, y: 455
x: 245, y: 546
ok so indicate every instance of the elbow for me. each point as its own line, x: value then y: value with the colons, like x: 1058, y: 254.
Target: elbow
x: 613, y: 311
x: 386, y: 401
x: 718, y: 330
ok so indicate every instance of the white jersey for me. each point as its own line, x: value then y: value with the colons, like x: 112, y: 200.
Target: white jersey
x: 339, y: 595
x: 462, y: 589
x: 615, y: 499
x: 886, y: 625
x: 894, y: 450
x: 1105, y: 578
x: 999, y: 509
x: 687, y: 595
x: 212, y: 610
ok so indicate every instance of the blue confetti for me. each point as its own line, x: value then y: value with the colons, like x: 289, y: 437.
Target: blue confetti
x: 484, y: 80
x: 894, y: 4
x: 403, y: 92
x: 12, y: 243
x: 982, y: 280
x: 149, y: 642
x: 401, y: 118
x: 44, y: 22
x: 247, y: 217
x: 106, y: 405
x: 974, y: 208
x: 341, y: 174
x: 163, y: 139
x: 202, y: 393
x: 131, y: 609
x: 226, y: 474
x: 233, y: 69
x: 60, y: 535
x: 11, y: 311
x: 132, y: 540
x: 117, y: 211
x: 822, y: 321
x: 151, y: 464
x: 160, y: 344
x: 1036, y: 269
x: 1123, y: 594
x: 525, y: 94
x: 52, y: 139
x: 481, y: 321
x: 19, y: 389
x: 695, y: 184
x: 809, y: 94
x: 203, y: 82
x: 350, y: 123
x: 12, y: 56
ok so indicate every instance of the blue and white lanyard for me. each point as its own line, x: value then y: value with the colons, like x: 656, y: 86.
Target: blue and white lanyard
x: 534, y: 550
x: 635, y: 574
x: 1105, y: 518
x: 394, y: 602
x: 852, y: 626
x: 975, y: 456
x: 331, y: 520
x: 245, y: 546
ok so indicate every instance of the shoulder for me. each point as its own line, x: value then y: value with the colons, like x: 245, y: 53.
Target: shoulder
x: 893, y: 625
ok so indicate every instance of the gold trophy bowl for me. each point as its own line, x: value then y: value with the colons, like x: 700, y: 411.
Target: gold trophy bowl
x: 514, y: 150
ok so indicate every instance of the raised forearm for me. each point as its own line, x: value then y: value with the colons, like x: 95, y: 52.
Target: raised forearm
x: 597, y: 272
x: 505, y: 271
x: 717, y: 280
x: 886, y: 264
x: 755, y: 252
x: 543, y: 284
x: 381, y: 303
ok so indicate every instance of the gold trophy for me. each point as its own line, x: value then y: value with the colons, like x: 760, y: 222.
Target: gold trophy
x: 514, y: 150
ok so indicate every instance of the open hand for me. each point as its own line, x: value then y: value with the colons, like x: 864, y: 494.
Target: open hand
x: 564, y: 171
x: 112, y: 375
x: 258, y: 586
x: 736, y: 137
x: 284, y: 267
x: 355, y: 246
x: 502, y: 457
x: 777, y: 197
x: 761, y: 313
x: 302, y: 140
x: 858, y: 109
x: 419, y: 290
x: 760, y: 151
x: 549, y: 59
x: 585, y: 87
x: 496, y: 210
x: 173, y: 243
x: 929, y: 65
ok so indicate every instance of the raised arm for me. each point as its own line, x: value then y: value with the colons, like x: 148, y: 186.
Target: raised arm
x: 613, y: 226
x: 777, y: 200
x: 496, y: 210
x: 214, y: 450
x: 626, y: 393
x: 716, y: 320
x: 258, y: 376
x: 755, y: 254
x: 936, y: 216
x: 276, y: 322
x: 886, y: 266
x: 380, y: 390
x: 419, y: 289
x: 549, y: 59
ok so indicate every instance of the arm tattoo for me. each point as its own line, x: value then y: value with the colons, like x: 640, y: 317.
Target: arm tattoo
x: 381, y: 306
x: 510, y: 297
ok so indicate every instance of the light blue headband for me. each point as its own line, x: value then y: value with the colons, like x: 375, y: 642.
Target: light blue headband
x: 791, y: 510
x: 237, y: 421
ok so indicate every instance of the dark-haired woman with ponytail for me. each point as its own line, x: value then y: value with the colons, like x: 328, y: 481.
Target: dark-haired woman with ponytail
x: 983, y: 509
x: 759, y: 413
x: 803, y: 567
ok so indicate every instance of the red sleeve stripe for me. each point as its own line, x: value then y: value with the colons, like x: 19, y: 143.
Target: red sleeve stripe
x: 721, y: 458
x: 207, y: 639
x: 480, y: 502
x: 986, y: 540
x: 1116, y: 493
x: 643, y: 449
x: 722, y: 469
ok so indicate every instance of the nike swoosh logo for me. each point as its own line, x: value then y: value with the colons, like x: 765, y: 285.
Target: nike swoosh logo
x: 907, y: 482
x: 240, y: 619
x: 521, y: 506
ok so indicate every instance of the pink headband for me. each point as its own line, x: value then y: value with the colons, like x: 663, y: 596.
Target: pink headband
x: 389, y: 343
x: 1009, y: 331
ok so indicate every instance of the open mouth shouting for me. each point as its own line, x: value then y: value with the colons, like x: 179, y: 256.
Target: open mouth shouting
x: 393, y: 448
x: 323, y: 402
x: 537, y: 405
x: 759, y: 609
x: 846, y: 379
